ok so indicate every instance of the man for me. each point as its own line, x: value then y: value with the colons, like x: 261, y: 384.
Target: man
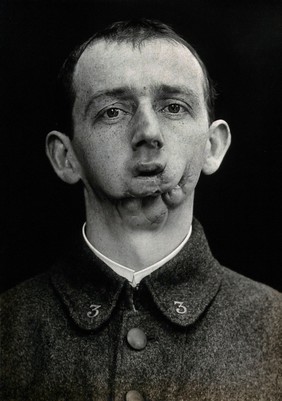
x: 138, y: 308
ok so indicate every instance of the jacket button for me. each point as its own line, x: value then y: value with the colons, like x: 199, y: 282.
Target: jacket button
x: 137, y: 339
x: 133, y: 395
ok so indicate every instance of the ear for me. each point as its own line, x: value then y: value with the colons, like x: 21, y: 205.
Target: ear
x: 61, y: 155
x: 217, y: 145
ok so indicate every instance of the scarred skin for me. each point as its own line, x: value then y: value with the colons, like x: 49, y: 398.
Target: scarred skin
x: 142, y: 137
x: 183, y: 135
x: 155, y: 206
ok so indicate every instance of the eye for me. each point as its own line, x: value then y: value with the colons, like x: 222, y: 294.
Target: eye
x: 174, y: 108
x: 112, y: 112
x: 111, y: 115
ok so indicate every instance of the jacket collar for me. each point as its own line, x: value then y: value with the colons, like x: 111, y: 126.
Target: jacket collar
x: 187, y: 284
x: 182, y: 289
x: 88, y: 288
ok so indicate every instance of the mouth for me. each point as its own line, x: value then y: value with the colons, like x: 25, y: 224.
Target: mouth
x: 148, y: 170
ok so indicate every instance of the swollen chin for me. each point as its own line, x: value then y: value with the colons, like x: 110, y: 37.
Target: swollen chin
x: 176, y: 195
x: 148, y: 212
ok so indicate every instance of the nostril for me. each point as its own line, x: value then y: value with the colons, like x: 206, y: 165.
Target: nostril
x: 139, y: 144
x: 152, y: 143
x: 156, y: 144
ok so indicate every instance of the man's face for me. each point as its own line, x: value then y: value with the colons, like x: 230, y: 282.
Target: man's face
x: 140, y: 119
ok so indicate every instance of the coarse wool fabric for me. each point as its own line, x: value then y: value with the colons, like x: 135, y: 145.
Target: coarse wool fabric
x: 212, y: 334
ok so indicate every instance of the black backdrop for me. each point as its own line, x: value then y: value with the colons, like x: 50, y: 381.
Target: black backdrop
x: 240, y: 206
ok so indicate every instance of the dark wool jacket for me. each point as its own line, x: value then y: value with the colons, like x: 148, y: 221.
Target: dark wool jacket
x: 211, y: 334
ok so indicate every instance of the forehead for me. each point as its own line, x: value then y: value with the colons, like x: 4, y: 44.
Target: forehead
x: 106, y: 66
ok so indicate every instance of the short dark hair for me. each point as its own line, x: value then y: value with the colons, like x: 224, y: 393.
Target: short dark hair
x: 134, y: 32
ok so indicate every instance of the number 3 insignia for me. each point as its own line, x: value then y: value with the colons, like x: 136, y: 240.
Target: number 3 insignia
x: 181, y: 309
x: 94, y: 311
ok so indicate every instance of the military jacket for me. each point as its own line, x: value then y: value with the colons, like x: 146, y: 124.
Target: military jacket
x: 192, y: 330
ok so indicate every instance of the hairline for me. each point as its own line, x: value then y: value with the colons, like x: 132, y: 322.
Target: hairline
x: 134, y: 32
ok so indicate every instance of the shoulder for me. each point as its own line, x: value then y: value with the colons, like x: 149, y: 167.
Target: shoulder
x: 26, y: 291
x: 27, y: 302
x: 246, y: 290
x: 29, y: 311
x: 250, y: 303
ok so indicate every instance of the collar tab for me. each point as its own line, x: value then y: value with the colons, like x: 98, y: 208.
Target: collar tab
x: 87, y: 287
x: 184, y: 288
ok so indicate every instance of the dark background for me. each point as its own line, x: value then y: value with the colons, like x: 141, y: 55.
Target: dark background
x: 239, y: 206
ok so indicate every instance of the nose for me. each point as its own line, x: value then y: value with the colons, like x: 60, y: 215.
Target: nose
x: 146, y: 130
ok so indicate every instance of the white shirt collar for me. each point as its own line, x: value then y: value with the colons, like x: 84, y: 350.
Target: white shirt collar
x: 134, y: 277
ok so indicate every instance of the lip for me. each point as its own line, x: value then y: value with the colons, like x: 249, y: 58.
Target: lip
x: 148, y: 169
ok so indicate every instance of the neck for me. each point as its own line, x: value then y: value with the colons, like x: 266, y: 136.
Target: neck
x: 137, y: 232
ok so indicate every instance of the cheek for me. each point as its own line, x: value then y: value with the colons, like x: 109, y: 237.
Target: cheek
x: 192, y: 162
x: 188, y: 148
x: 98, y: 147
x: 101, y: 159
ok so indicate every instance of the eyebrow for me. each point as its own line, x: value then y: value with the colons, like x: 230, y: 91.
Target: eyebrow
x: 178, y: 89
x: 126, y: 92
x: 113, y: 93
